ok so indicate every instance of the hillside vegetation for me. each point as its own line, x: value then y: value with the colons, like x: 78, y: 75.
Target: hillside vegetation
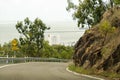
x: 99, y: 47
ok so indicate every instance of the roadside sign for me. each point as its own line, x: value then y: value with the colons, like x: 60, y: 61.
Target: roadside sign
x: 14, y: 45
x: 14, y: 42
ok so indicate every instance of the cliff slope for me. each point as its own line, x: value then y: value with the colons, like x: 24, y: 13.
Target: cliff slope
x: 99, y: 47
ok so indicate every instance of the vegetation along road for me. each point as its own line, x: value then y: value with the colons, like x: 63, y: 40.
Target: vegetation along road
x: 38, y: 71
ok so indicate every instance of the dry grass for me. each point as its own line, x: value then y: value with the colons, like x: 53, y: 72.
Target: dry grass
x: 105, y: 74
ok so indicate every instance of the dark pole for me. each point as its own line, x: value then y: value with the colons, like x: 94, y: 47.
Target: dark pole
x: 111, y: 3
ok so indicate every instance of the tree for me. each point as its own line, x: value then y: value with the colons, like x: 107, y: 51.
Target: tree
x: 33, y: 33
x: 114, y: 2
x: 89, y: 12
x: 1, y: 51
x: 0, y: 47
x: 111, y: 3
x: 7, y: 50
x: 117, y: 1
x: 56, y: 51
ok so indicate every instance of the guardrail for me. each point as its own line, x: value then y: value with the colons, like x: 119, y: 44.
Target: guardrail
x: 4, y: 60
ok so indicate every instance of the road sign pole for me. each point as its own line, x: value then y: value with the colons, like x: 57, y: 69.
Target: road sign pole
x: 7, y: 59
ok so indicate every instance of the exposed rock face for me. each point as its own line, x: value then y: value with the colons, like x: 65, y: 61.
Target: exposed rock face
x: 93, y: 51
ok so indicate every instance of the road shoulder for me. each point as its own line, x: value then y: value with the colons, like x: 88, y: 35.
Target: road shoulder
x: 67, y: 69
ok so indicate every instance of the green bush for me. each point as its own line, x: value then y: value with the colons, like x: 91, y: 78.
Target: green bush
x: 105, y: 27
x: 56, y: 51
x: 48, y: 51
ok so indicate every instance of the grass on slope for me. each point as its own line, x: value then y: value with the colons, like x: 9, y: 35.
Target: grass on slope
x: 105, y: 74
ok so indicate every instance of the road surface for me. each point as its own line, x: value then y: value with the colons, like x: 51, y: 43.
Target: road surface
x: 38, y: 71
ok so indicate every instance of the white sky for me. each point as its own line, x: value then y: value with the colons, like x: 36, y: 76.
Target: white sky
x: 47, y: 10
x: 52, y: 12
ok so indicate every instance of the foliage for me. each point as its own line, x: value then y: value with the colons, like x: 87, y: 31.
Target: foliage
x: 1, y: 51
x: 48, y: 51
x: 64, y: 51
x: 28, y: 50
x: 89, y: 12
x: 33, y: 33
x: 7, y: 49
x: 113, y: 2
x: 56, y: 51
x: 109, y: 75
x: 116, y: 2
x: 0, y: 48
x: 105, y: 52
x: 70, y: 5
x: 81, y: 70
x: 106, y: 28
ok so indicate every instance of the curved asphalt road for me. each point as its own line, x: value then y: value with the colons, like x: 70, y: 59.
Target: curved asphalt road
x: 38, y: 71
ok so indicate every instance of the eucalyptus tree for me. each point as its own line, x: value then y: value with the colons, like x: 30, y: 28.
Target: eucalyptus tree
x: 89, y: 12
x: 32, y: 35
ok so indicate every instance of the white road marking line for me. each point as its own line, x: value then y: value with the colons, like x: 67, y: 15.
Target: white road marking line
x: 83, y: 75
x: 7, y: 65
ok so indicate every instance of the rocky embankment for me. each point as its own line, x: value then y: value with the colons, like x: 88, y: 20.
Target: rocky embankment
x: 100, y: 48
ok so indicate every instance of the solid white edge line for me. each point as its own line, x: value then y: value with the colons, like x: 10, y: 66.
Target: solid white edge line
x: 7, y: 65
x: 66, y: 70
x: 83, y: 74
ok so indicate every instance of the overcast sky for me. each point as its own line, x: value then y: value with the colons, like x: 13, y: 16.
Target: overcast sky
x: 52, y: 12
x: 47, y: 10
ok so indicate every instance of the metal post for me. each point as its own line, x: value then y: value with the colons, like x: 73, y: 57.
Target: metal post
x: 7, y: 59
